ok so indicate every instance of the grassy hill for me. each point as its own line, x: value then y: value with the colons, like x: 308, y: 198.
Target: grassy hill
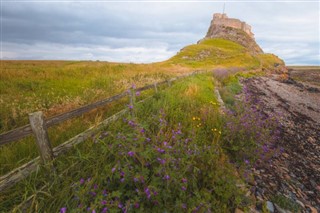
x: 173, y: 155
x: 210, y: 53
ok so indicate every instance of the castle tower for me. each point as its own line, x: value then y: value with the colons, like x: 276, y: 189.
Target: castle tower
x: 232, y: 29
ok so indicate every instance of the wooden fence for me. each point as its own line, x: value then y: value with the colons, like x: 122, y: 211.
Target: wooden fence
x: 38, y: 127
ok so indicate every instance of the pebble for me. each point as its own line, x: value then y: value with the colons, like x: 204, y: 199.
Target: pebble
x: 279, y: 209
x: 300, y: 203
x: 238, y: 211
x: 270, y: 206
x: 312, y: 209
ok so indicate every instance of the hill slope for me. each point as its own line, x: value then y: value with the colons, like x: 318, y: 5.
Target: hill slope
x: 219, y: 52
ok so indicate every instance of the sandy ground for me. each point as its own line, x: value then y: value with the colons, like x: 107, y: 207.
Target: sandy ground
x: 296, y: 172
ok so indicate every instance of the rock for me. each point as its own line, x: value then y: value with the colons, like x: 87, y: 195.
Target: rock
x: 312, y: 209
x: 279, y: 209
x: 232, y: 29
x: 287, y: 177
x: 300, y: 204
x: 285, y: 155
x: 238, y: 211
x: 270, y: 206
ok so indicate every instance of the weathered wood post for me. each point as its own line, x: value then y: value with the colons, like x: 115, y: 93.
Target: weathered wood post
x: 39, y: 129
x: 155, y: 87
x: 132, y: 101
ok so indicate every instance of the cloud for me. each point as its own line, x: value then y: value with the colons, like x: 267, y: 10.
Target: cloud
x: 148, y: 31
x: 42, y: 51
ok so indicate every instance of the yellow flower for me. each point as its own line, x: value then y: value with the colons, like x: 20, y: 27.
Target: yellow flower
x: 215, y: 129
x: 220, y: 132
x: 194, y: 118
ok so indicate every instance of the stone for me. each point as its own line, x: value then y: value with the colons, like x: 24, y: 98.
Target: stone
x: 270, y: 206
x: 238, y: 211
x: 300, y: 203
x: 232, y: 29
x: 312, y: 209
x: 279, y: 209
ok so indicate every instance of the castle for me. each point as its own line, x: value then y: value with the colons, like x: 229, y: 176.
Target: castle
x: 223, y: 20
x: 234, y: 30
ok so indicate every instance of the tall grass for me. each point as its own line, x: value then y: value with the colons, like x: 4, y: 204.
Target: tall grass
x: 58, y: 86
x: 167, y: 157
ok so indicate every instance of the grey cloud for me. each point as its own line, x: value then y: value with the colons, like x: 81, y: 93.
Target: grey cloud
x: 121, y: 31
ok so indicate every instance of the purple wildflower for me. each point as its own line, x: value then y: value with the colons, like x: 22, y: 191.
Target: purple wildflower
x: 133, y: 86
x: 148, y: 139
x: 246, y: 161
x: 93, y: 193
x: 104, y: 193
x: 120, y: 205
x: 165, y: 143
x: 82, y: 181
x: 63, y: 210
x: 138, y: 93
x: 161, y: 161
x: 147, y: 191
x: 183, y: 188
x: 184, y: 206
x: 136, y: 205
x: 103, y: 202
x: 131, y: 153
x: 95, y: 186
x: 161, y: 150
x: 142, y: 179
x: 93, y: 211
x: 142, y: 130
x: 184, y: 180
x: 166, y: 177
x: 122, y: 180
x: 130, y: 106
x: 113, y: 169
x: 104, y: 210
x: 131, y: 123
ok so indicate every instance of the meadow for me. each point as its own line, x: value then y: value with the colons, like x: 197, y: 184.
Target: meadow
x: 177, y: 152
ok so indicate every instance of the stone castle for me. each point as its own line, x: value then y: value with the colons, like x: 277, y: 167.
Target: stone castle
x: 232, y: 29
x: 223, y: 20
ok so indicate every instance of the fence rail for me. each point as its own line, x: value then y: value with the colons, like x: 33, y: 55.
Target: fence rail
x: 38, y: 127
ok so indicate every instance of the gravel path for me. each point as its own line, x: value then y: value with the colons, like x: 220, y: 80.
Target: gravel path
x: 296, y: 172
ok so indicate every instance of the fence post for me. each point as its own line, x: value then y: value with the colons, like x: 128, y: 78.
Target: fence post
x: 39, y: 129
x: 155, y: 87
x: 132, y: 101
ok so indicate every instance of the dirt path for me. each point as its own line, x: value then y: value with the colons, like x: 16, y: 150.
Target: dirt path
x: 296, y: 172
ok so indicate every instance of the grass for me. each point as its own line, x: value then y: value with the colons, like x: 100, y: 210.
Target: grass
x: 286, y: 203
x: 212, y: 53
x: 166, y: 158
x: 58, y: 86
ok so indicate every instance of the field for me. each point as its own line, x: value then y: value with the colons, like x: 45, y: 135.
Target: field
x: 178, y: 151
x: 308, y: 74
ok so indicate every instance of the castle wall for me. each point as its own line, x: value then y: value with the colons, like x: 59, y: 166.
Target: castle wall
x: 222, y: 19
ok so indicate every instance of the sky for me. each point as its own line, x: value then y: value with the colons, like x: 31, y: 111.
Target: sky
x: 150, y: 31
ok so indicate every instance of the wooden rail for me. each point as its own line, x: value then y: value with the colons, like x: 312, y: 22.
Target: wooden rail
x: 26, y: 130
x: 38, y: 127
